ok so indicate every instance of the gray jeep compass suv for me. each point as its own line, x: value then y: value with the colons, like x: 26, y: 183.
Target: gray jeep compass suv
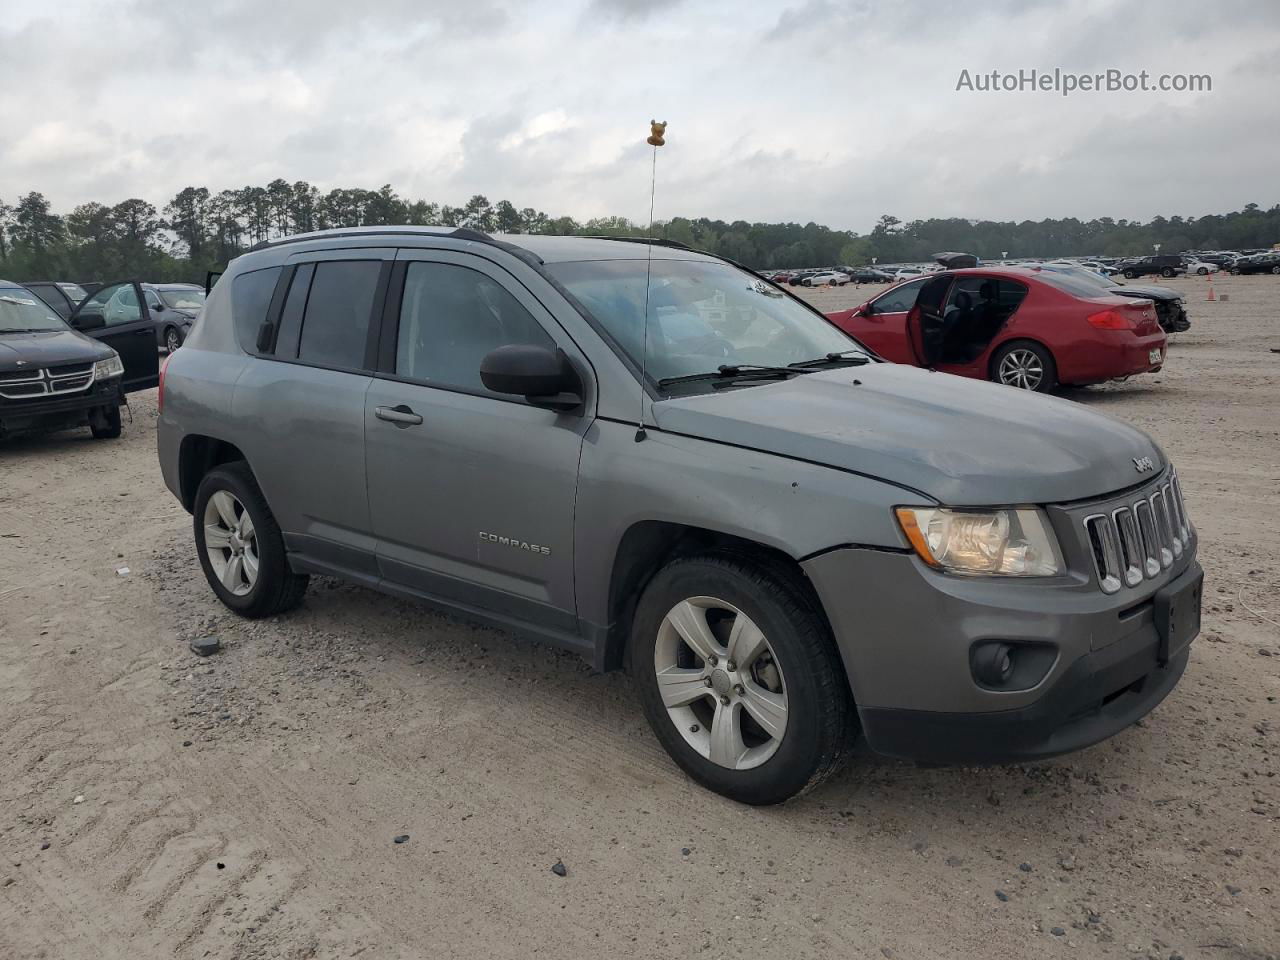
x: 801, y: 543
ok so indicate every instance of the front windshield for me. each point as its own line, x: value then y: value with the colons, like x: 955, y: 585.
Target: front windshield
x: 185, y: 299
x: 702, y: 315
x: 21, y: 311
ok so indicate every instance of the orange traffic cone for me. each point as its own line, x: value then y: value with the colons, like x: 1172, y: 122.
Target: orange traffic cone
x: 1210, y: 298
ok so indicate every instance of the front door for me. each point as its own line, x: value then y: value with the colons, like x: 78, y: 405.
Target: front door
x: 115, y: 315
x: 471, y: 493
x: 883, y: 324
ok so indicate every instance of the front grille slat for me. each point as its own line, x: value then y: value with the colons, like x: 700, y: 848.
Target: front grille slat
x: 1137, y: 540
x: 64, y: 378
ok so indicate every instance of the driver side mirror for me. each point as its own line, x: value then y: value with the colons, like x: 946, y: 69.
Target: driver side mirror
x: 156, y: 308
x: 542, y: 375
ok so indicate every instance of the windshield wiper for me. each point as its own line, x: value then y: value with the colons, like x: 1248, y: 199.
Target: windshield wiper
x: 733, y: 371
x: 853, y: 357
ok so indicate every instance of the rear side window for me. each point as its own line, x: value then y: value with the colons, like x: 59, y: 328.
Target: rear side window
x: 250, y: 300
x: 450, y: 318
x: 335, y: 327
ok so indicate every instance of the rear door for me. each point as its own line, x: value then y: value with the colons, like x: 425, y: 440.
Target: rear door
x: 305, y: 398
x: 883, y: 327
x: 114, y: 314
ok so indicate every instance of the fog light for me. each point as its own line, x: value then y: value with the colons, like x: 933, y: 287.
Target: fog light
x: 993, y: 664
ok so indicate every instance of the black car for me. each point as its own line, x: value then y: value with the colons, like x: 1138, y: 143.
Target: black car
x: 869, y: 275
x: 1167, y: 265
x: 1171, y: 311
x: 1258, y: 263
x: 114, y: 314
x: 51, y: 377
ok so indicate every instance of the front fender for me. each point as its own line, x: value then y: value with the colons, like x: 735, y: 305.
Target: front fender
x: 793, y: 506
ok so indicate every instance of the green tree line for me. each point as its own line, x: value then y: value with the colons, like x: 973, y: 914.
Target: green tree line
x: 199, y: 230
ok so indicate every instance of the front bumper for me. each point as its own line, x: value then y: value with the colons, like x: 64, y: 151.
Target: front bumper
x: 56, y: 412
x: 906, y: 637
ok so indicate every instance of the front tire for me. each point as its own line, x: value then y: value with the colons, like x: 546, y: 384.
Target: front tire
x: 240, y: 546
x: 1167, y: 272
x: 1025, y: 365
x: 1130, y: 274
x: 172, y: 338
x: 1275, y: 270
x: 739, y: 677
x: 1203, y: 271
x: 105, y: 423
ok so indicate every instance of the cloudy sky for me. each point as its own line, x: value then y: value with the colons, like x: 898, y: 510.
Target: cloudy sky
x: 830, y: 110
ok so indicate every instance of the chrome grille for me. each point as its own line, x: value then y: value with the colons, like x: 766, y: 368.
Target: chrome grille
x: 1139, y: 539
x: 65, y: 378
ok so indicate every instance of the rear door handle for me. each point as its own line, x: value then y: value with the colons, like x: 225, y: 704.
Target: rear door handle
x: 401, y: 416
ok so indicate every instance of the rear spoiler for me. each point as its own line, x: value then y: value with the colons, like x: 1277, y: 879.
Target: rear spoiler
x: 210, y: 279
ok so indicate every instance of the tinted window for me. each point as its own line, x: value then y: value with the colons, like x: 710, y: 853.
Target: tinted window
x: 335, y: 327
x: 900, y: 299
x: 450, y: 318
x: 51, y: 295
x: 291, y: 314
x: 250, y: 301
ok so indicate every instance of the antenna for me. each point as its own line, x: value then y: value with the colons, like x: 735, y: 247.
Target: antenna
x: 655, y: 140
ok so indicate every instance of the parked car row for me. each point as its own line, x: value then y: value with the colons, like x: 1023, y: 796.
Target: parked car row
x: 171, y: 308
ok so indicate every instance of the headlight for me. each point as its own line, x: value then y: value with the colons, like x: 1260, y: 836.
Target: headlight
x: 1002, y: 543
x: 110, y: 367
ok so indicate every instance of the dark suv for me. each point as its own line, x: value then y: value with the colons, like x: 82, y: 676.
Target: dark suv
x: 1166, y: 265
x: 649, y: 456
x: 51, y: 377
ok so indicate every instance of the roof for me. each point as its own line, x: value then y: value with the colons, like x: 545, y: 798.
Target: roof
x: 545, y: 247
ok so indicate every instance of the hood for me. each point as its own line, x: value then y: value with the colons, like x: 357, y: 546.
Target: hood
x: 48, y: 347
x: 962, y: 442
x: 1148, y: 291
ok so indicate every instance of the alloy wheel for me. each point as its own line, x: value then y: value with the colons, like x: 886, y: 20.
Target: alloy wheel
x: 721, y: 682
x: 231, y: 543
x: 1021, y: 368
x: 171, y: 340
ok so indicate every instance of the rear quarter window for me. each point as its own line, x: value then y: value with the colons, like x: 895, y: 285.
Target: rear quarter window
x: 250, y: 301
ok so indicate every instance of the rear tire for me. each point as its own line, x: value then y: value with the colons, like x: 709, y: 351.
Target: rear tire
x: 105, y: 423
x: 1166, y: 272
x: 1130, y: 274
x: 1025, y: 365
x: 1276, y: 270
x: 790, y: 674
x: 249, y: 572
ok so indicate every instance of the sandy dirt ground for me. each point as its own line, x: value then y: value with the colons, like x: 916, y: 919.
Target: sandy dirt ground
x: 154, y: 804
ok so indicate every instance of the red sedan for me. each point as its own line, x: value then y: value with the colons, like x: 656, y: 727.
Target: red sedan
x: 1019, y: 326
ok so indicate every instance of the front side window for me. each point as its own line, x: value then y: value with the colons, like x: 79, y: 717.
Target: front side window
x: 900, y: 299
x: 452, y: 316
x: 701, y: 315
x: 22, y: 311
x: 335, y: 327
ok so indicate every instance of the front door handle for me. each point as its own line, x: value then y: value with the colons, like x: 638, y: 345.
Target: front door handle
x: 401, y: 416
x: 144, y: 333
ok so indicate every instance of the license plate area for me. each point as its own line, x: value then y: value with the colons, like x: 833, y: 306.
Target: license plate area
x: 1177, y: 614
x: 1154, y: 355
